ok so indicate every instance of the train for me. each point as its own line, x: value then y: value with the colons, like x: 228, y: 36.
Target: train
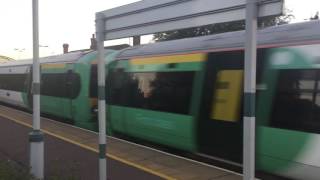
x: 188, y: 94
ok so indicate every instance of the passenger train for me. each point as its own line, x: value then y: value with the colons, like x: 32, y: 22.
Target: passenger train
x: 188, y: 94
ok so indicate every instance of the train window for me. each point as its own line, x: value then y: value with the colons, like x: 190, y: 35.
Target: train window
x: 13, y: 82
x: 117, y: 83
x: 159, y: 91
x: 65, y: 85
x: 73, y: 84
x: 297, y: 101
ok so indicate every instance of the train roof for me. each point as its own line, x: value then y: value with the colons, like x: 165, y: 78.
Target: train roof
x: 64, y: 58
x: 283, y: 34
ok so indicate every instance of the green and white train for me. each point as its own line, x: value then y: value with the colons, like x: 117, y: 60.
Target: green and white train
x: 187, y: 94
x: 68, y: 86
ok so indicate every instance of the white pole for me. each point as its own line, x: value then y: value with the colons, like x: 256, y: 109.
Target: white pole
x: 250, y: 91
x: 100, y: 25
x: 36, y: 136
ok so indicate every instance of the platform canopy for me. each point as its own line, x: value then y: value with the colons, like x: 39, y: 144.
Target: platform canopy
x: 152, y: 16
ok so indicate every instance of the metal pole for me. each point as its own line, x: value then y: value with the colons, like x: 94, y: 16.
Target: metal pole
x: 250, y: 91
x: 36, y: 136
x: 100, y: 25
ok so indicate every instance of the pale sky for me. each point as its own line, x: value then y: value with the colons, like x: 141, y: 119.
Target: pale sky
x: 72, y: 22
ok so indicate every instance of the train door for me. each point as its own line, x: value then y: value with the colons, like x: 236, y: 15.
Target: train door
x: 220, y: 124
x: 69, y: 89
x: 116, y: 98
x: 29, y: 88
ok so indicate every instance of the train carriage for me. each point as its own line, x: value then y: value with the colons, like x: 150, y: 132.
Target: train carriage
x: 187, y: 94
x: 12, y: 84
x: 68, y: 86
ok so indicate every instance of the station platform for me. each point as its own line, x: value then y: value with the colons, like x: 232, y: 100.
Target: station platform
x: 74, y: 151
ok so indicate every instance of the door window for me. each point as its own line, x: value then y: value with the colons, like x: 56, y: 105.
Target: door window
x: 227, y: 95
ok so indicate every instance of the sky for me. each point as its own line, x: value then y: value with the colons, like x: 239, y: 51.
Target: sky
x: 72, y: 22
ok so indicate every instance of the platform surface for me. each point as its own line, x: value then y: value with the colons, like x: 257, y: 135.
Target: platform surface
x: 66, y: 145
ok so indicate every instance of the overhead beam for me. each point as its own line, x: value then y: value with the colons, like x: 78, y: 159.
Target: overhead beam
x: 150, y: 16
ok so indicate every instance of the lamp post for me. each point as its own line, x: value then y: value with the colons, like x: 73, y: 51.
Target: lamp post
x: 249, y: 119
x: 101, y: 96
x: 36, y: 136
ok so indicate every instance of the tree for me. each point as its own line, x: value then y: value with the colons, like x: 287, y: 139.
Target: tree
x: 315, y: 17
x: 221, y: 27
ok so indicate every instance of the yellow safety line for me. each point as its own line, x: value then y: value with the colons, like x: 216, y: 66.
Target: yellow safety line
x: 114, y: 157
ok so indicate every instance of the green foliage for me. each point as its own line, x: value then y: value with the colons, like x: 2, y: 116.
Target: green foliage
x: 67, y: 171
x: 221, y: 27
x: 12, y: 171
x: 9, y: 170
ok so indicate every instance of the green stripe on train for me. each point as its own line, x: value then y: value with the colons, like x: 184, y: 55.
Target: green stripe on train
x: 165, y: 128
